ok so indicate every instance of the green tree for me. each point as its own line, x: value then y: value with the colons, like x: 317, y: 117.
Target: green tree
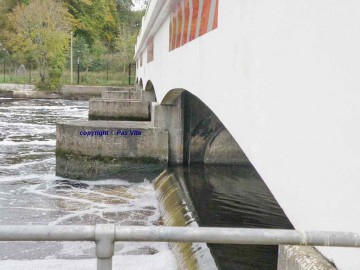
x: 41, y: 30
x: 6, y: 6
x: 94, y: 19
x: 128, y: 30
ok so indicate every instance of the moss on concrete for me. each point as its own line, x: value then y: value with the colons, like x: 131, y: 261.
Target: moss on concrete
x: 80, y: 166
x: 118, y: 118
x: 69, y: 154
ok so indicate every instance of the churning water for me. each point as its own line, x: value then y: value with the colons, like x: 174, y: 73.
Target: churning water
x: 30, y: 193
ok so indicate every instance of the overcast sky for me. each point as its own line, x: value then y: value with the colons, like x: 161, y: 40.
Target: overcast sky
x: 139, y: 4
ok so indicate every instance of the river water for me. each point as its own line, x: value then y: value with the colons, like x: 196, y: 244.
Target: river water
x: 30, y: 193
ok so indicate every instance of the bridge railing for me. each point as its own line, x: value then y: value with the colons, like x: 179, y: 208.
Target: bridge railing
x: 105, y: 235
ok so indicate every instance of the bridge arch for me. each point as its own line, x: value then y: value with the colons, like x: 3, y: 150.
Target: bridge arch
x: 149, y: 93
x: 205, y: 139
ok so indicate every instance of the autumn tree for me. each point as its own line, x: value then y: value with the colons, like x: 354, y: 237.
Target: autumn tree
x: 128, y: 30
x: 94, y: 19
x: 41, y: 30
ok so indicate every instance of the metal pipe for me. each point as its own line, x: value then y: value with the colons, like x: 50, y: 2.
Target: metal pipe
x: 176, y: 234
x: 71, y: 57
x: 237, y: 236
x: 104, y: 237
x: 78, y: 69
x: 129, y: 73
x: 4, y: 67
x: 46, y: 233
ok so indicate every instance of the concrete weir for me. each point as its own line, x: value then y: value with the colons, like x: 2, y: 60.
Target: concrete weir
x: 182, y: 130
x: 102, y: 149
x: 123, y: 110
x: 135, y: 95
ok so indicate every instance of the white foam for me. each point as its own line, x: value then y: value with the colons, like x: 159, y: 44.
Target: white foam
x: 18, y: 166
x: 48, y: 142
x: 159, y: 261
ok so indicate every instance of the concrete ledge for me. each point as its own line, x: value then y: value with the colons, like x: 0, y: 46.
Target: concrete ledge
x: 122, y: 95
x: 17, y: 87
x: 36, y: 95
x: 122, y: 110
x: 85, y: 92
x: 302, y: 258
x: 6, y: 94
x: 112, y: 149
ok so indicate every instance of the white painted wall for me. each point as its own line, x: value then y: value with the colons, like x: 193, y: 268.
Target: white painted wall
x: 284, y: 78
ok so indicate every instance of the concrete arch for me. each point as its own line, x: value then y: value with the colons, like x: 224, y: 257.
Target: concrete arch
x: 205, y: 139
x: 149, y: 93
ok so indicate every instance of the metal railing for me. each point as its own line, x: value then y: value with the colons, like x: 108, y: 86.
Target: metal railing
x: 104, y: 235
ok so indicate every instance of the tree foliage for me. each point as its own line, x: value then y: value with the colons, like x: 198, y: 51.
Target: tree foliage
x: 38, y: 31
x: 94, y: 19
x: 41, y: 30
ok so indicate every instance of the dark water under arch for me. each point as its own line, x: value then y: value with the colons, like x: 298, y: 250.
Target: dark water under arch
x: 233, y: 196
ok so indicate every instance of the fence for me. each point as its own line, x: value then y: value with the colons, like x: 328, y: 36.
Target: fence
x: 110, y: 73
x: 104, y: 235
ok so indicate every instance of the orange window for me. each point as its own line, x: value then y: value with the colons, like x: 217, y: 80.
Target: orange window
x: 186, y: 24
x: 205, y: 17
x: 195, y: 5
x: 179, y: 25
x: 170, y: 33
x: 150, y: 50
x: 215, y: 23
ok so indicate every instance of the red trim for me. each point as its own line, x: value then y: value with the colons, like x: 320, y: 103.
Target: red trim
x: 215, y: 23
x: 170, y: 33
x: 186, y: 25
x: 180, y: 18
x: 194, y: 18
x: 174, y: 31
x: 205, y: 17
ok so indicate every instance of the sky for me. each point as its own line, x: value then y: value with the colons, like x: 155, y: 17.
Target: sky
x: 139, y: 4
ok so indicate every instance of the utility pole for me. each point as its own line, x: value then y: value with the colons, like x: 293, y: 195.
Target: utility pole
x: 78, y: 68
x: 129, y: 73
x: 71, y: 58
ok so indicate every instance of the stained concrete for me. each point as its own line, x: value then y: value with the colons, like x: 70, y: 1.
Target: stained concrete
x: 134, y: 95
x: 6, y: 94
x: 85, y: 92
x: 302, y: 258
x: 223, y: 149
x: 126, y: 110
x: 171, y: 117
x: 16, y: 87
x: 111, y: 150
x: 36, y: 95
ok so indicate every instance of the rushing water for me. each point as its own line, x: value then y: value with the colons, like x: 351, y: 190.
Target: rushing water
x: 30, y: 193
x: 226, y: 196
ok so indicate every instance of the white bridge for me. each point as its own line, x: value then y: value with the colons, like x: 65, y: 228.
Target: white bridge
x: 283, y: 78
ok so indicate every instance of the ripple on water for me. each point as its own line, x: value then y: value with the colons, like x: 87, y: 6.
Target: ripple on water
x: 30, y: 193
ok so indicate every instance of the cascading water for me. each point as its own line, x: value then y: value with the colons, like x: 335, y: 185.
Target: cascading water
x: 30, y: 193
x: 220, y: 196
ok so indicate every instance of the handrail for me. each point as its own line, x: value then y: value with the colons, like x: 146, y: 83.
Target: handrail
x: 104, y: 235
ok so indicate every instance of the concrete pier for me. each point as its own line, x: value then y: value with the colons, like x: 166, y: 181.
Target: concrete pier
x: 102, y: 149
x: 122, y: 110
x: 6, y: 94
x: 134, y: 95
x: 87, y: 92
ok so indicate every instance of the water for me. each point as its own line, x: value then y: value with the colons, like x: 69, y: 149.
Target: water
x: 231, y: 196
x: 30, y: 193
